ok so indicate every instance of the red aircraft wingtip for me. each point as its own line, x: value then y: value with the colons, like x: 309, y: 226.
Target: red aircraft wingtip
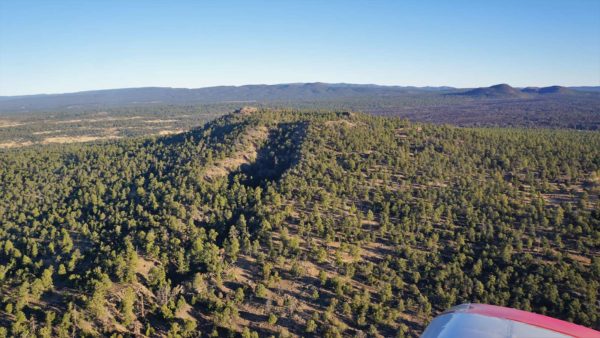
x: 482, y: 320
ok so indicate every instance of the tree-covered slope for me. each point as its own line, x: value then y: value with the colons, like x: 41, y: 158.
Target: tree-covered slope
x: 284, y: 223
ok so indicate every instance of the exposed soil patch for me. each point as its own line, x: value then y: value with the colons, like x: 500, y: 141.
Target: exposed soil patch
x: 8, y: 124
x: 46, y: 132
x: 160, y: 121
x: 76, y: 139
x: 14, y: 144
x: 105, y: 119
x: 170, y: 132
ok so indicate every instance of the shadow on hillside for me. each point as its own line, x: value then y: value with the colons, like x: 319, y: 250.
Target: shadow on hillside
x: 280, y: 152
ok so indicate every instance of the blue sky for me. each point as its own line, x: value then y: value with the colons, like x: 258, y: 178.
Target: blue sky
x: 63, y: 46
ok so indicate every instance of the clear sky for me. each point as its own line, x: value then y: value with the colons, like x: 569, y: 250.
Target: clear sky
x: 63, y: 46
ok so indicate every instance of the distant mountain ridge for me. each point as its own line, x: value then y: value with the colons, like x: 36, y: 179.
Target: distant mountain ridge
x: 292, y: 92
x: 549, y: 90
x: 499, y: 90
x: 506, y: 91
x: 219, y: 94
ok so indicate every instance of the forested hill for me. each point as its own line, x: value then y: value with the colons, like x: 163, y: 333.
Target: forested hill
x: 285, y: 223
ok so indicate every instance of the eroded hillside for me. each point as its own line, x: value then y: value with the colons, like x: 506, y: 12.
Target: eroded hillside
x: 295, y: 224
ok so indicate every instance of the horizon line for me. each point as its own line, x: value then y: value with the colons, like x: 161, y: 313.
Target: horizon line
x: 294, y: 83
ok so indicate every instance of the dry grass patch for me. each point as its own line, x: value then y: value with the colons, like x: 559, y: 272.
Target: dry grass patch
x: 144, y: 266
x: 76, y: 139
x: 160, y: 121
x: 47, y: 132
x: 8, y: 124
x: 185, y: 313
x: 581, y: 259
x: 104, y: 119
x: 15, y: 144
x: 170, y: 132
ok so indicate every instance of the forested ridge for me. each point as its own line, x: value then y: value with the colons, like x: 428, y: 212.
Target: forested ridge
x: 297, y: 224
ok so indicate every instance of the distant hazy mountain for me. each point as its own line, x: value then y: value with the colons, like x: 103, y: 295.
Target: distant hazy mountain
x: 249, y: 93
x: 497, y: 91
x: 549, y: 90
x: 506, y: 91
x: 586, y: 88
x: 294, y: 92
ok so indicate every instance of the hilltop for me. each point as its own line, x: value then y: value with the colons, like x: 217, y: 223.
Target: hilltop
x: 506, y: 91
x: 496, y: 91
x: 552, y: 90
x: 266, y: 222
